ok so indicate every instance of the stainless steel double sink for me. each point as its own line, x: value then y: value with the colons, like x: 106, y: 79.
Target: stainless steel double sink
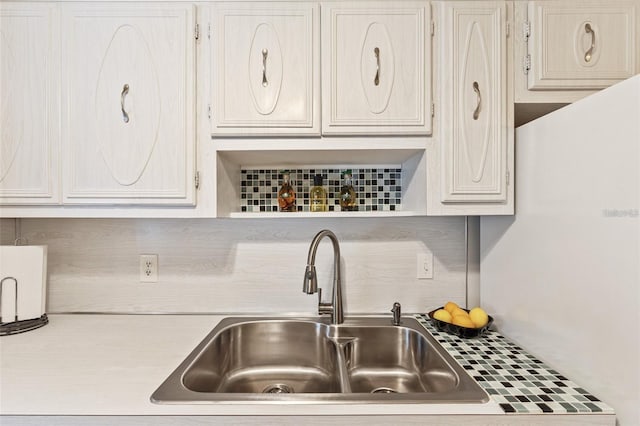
x: 363, y: 360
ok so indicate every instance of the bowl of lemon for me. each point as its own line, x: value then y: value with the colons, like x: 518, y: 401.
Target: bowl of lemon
x: 452, y: 319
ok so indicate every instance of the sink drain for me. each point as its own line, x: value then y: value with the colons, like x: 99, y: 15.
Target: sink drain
x: 278, y: 388
x: 384, y: 390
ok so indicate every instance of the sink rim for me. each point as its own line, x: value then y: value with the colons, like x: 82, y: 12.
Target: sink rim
x: 173, y: 391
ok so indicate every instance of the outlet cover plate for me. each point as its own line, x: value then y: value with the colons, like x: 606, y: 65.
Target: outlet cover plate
x: 148, y: 268
x: 424, y: 266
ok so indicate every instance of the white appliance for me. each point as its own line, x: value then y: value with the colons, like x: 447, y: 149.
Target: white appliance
x: 23, y: 277
x: 562, y: 277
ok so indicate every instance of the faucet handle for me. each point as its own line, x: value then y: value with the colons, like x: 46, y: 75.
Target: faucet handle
x: 324, y: 308
x: 396, y: 313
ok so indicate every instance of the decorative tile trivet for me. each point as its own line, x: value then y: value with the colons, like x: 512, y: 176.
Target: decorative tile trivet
x: 516, y: 380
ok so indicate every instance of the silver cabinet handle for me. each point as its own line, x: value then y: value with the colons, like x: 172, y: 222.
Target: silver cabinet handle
x: 589, y: 30
x: 125, y: 91
x: 476, y: 112
x: 265, y: 53
x: 376, y: 79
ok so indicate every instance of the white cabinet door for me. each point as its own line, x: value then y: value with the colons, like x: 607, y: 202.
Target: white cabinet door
x: 29, y: 104
x: 376, y: 68
x: 475, y: 135
x: 266, y: 68
x: 582, y: 44
x: 128, y: 103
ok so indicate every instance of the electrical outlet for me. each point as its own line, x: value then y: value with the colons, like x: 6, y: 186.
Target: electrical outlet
x: 148, y: 268
x: 424, y: 266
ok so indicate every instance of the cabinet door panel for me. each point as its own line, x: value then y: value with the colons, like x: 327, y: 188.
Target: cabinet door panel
x: 264, y: 69
x: 129, y: 104
x: 376, y: 68
x: 127, y: 135
x: 581, y: 45
x: 476, y: 106
x: 474, y: 79
x: 29, y: 140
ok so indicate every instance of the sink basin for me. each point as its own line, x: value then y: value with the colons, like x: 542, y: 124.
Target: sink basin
x: 266, y: 356
x: 363, y: 360
x: 395, y: 360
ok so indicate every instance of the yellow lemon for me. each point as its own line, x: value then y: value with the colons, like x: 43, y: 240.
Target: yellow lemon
x: 479, y: 317
x: 458, y: 311
x: 442, y: 315
x: 463, y: 321
x: 450, y: 306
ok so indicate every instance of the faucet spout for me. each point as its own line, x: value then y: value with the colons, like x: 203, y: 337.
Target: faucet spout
x: 310, y: 283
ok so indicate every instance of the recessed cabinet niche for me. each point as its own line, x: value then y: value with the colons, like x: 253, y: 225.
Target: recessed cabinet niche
x: 129, y: 103
x: 376, y: 68
x: 404, y: 158
x: 476, y: 137
x: 265, y: 63
x: 29, y: 104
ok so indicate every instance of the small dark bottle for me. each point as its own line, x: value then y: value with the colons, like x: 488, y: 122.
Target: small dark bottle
x: 286, y: 195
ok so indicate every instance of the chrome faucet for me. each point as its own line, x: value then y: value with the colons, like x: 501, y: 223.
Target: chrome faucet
x: 397, y: 313
x: 310, y: 284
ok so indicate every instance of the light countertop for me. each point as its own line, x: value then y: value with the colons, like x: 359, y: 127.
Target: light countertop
x: 109, y: 365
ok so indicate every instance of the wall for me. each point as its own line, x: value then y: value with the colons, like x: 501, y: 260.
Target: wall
x: 247, y: 265
x: 7, y: 227
x: 562, y: 277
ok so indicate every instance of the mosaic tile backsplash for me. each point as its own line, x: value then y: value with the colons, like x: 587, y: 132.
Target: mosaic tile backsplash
x: 519, y: 382
x: 376, y: 189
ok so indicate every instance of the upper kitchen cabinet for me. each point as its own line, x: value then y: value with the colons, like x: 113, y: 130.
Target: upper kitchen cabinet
x: 29, y: 104
x: 266, y: 78
x: 476, y: 139
x: 571, y: 48
x: 128, y: 120
x: 376, y: 68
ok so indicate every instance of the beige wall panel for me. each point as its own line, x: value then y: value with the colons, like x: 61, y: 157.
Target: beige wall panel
x: 247, y: 265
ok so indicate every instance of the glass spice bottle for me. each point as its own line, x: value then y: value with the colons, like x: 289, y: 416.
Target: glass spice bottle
x: 286, y: 194
x: 347, y: 193
x: 318, y: 195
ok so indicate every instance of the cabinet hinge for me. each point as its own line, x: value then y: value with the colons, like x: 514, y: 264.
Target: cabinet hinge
x: 209, y: 111
x: 508, y: 177
x: 197, y: 32
x: 433, y: 28
x: 526, y: 30
x: 209, y: 30
x: 433, y: 110
x: 527, y: 64
x: 197, y: 180
x: 508, y: 29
